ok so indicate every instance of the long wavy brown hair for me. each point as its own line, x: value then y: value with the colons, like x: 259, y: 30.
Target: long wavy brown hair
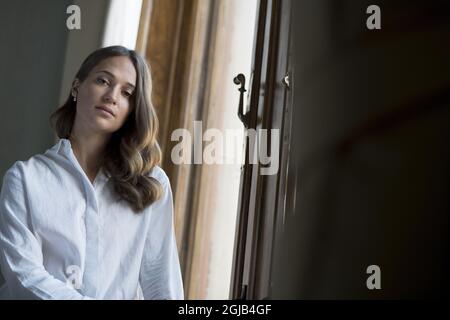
x: 133, y: 150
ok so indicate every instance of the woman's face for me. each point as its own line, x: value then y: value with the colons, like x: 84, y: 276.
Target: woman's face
x: 105, y: 97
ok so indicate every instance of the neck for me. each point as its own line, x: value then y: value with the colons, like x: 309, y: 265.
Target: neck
x: 89, y: 151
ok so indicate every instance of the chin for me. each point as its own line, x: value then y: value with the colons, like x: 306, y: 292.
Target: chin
x: 103, y: 127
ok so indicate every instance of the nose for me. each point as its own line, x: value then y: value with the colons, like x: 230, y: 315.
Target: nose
x: 111, y: 96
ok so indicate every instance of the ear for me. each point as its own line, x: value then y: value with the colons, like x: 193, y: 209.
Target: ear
x: 75, y: 86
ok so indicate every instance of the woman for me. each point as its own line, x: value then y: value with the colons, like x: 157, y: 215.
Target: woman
x: 92, y: 217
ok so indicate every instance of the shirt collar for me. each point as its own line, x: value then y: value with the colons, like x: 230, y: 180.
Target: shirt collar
x: 64, y: 148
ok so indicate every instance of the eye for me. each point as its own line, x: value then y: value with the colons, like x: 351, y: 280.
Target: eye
x: 126, y: 94
x: 101, y: 81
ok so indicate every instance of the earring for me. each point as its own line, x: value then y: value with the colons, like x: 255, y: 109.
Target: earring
x: 74, y: 98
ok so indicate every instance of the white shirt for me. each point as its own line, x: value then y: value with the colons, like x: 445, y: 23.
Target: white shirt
x: 63, y: 237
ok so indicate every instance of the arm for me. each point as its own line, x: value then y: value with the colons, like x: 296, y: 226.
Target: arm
x: 21, y: 259
x: 160, y: 275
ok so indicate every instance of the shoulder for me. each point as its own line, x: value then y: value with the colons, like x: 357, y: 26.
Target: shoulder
x: 27, y: 168
x: 18, y: 169
x: 160, y: 175
x: 164, y: 205
x: 13, y: 179
x: 37, y: 165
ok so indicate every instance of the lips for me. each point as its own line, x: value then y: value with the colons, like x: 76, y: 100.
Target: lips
x: 107, y: 109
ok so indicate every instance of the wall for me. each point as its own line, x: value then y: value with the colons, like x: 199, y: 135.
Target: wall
x: 33, y: 39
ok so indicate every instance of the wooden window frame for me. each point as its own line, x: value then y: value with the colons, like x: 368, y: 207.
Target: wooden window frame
x: 261, y: 197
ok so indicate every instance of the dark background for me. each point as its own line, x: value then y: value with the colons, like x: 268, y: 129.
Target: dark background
x: 371, y: 125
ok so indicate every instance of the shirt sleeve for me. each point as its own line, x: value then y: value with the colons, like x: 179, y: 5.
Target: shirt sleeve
x: 21, y: 258
x: 160, y: 274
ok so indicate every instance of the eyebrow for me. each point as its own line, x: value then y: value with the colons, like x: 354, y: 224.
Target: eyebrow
x: 112, y: 75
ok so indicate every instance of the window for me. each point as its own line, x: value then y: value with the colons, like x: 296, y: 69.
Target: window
x: 195, y: 49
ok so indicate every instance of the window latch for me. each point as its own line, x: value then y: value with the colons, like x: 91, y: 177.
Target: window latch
x: 240, y: 80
